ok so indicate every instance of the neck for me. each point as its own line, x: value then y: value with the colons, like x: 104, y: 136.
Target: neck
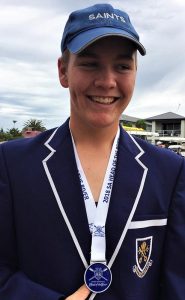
x: 94, y: 147
x: 93, y: 137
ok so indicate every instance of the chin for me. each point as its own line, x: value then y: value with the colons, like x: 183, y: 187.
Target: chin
x: 105, y: 123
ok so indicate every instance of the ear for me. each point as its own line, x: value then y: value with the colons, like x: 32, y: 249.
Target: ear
x: 62, y: 72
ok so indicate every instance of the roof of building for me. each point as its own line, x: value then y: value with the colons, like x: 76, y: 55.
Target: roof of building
x: 166, y: 116
x: 129, y: 118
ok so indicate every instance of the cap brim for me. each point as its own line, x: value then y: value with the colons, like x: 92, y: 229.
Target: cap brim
x: 86, y: 38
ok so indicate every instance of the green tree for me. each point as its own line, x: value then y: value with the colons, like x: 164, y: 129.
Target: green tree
x: 10, y: 134
x: 14, y: 132
x: 2, y: 135
x: 34, y: 124
x: 126, y: 123
x: 141, y: 124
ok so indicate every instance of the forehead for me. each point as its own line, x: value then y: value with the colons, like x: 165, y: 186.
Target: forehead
x: 111, y: 44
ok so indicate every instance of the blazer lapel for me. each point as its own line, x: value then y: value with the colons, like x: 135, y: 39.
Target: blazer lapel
x: 127, y: 189
x: 61, y: 170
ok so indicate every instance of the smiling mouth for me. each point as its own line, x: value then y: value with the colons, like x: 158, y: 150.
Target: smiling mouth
x: 103, y: 100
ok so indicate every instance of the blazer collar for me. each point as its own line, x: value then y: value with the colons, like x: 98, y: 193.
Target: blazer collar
x: 128, y: 186
x: 61, y: 170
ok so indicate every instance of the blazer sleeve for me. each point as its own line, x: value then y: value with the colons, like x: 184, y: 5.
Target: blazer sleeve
x: 14, y: 284
x: 173, y: 274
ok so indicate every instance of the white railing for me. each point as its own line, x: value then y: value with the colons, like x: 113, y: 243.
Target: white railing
x: 169, y: 132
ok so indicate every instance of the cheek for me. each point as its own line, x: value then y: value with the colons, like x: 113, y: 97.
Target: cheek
x: 75, y: 87
x: 130, y: 85
x: 127, y: 89
x: 78, y: 85
x: 76, y: 90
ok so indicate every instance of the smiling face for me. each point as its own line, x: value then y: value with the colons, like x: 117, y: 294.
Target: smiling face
x: 101, y: 81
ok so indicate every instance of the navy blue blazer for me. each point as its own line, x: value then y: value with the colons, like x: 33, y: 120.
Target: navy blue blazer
x: 38, y: 259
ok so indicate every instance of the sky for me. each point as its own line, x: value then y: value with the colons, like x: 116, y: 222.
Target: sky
x: 30, y: 36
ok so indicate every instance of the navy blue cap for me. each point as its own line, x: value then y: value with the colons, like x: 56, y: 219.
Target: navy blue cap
x: 87, y: 25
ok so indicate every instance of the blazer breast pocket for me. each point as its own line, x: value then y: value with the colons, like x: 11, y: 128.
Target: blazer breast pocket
x: 141, y: 254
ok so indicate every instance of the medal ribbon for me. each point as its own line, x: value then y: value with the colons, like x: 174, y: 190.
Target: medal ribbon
x: 97, y: 215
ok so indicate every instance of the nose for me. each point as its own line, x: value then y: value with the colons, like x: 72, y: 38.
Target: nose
x: 105, y: 79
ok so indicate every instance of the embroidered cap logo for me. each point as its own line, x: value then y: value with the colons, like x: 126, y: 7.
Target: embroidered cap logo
x: 107, y: 15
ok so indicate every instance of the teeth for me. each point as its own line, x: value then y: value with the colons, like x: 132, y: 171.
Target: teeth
x: 104, y: 100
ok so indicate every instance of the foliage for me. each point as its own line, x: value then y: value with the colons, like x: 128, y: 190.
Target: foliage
x: 126, y: 123
x: 14, y: 133
x: 10, y: 134
x: 141, y: 124
x: 1, y: 135
x: 34, y: 124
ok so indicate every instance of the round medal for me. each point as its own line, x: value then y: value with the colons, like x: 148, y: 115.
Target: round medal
x: 98, y: 277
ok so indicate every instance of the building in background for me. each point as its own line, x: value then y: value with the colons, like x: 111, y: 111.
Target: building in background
x: 128, y: 120
x: 133, y: 126
x: 169, y: 126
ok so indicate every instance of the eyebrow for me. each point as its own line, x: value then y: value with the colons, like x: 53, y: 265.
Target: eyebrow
x: 87, y: 53
x: 128, y: 56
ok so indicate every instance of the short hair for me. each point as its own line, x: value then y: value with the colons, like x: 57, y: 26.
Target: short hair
x: 65, y: 56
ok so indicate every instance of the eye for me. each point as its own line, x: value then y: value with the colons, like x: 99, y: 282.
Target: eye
x: 122, y: 67
x: 89, y: 65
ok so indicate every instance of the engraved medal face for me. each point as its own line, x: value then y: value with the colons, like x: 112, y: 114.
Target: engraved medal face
x: 98, y: 277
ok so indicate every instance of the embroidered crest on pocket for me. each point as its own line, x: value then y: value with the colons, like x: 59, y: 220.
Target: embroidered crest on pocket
x: 143, y: 254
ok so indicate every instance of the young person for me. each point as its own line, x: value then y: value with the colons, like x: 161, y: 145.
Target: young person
x: 86, y: 210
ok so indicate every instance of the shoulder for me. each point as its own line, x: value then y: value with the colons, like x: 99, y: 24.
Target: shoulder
x: 153, y: 156
x: 160, y: 157
x: 153, y: 149
x: 25, y: 151
x: 23, y: 143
